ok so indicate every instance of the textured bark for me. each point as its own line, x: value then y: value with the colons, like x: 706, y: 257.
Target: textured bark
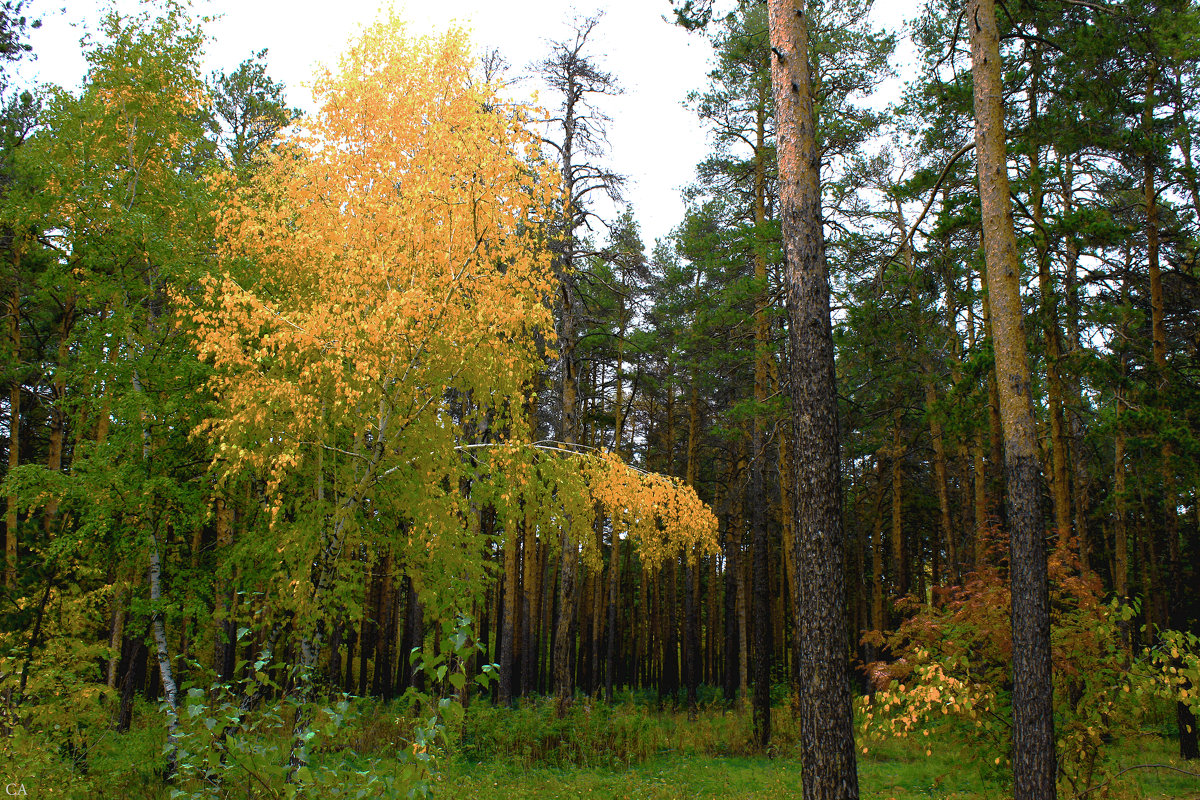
x: 58, y: 411
x: 732, y: 648
x: 744, y: 635
x: 614, y: 558
x: 935, y: 423
x: 564, y: 624
x: 1033, y: 714
x: 1174, y: 590
x: 512, y: 609
x: 900, y: 586
x: 1060, y: 488
x: 878, y: 609
x: 117, y: 633
x: 385, y: 642
x: 368, y: 626
x: 758, y: 492
x: 1120, y: 512
x: 761, y: 598
x: 941, y: 481
x: 829, y: 768
x: 996, y: 474
x: 14, y: 425
x: 599, y: 627
x: 670, y: 678
x: 531, y: 607
x: 170, y: 693
x: 1080, y: 480
x: 982, y: 513
x: 163, y: 653
x: 692, y: 641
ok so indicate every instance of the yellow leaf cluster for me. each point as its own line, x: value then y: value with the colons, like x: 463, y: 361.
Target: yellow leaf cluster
x: 385, y: 259
x: 662, y: 515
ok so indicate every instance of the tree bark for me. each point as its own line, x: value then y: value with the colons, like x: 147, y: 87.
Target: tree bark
x: 512, y: 609
x: 14, y: 424
x: 58, y: 411
x: 1060, y: 489
x: 1033, y: 713
x: 829, y: 768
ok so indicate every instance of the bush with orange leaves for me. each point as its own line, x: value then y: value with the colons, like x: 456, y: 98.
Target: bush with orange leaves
x: 953, y: 667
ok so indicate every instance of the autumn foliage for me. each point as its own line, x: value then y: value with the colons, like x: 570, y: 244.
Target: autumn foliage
x: 952, y: 666
x: 384, y: 283
x: 387, y: 257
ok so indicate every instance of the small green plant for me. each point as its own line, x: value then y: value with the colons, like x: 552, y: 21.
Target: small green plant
x: 224, y: 749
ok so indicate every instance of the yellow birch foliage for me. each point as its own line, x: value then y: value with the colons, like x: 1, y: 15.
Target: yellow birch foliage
x: 660, y: 514
x: 382, y: 278
x: 554, y: 489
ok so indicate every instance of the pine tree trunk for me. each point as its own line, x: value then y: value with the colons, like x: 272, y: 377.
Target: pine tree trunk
x: 826, y: 721
x: 531, y: 606
x: 1079, y: 466
x: 512, y: 607
x: 1060, y: 490
x: 14, y: 424
x: 732, y: 638
x: 1034, y: 767
x: 58, y: 411
x: 900, y: 564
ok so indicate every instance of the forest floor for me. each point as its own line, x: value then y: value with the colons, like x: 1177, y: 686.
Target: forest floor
x: 708, y: 758
x: 631, y: 750
x: 679, y: 777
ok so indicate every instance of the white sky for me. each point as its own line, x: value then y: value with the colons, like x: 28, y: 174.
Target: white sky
x: 655, y: 140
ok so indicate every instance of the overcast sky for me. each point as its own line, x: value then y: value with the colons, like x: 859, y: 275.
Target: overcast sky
x: 655, y: 140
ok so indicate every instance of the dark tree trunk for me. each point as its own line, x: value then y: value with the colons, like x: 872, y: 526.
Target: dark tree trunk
x: 511, y: 606
x: 692, y: 634
x: 761, y: 597
x: 670, y: 676
x: 1033, y: 713
x: 829, y: 768
x: 731, y: 622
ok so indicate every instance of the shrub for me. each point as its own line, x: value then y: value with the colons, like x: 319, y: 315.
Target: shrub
x: 952, y: 668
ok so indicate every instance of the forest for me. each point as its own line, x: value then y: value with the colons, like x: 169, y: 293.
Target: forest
x: 369, y: 451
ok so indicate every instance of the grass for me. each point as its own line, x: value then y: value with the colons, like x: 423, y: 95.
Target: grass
x: 629, y: 750
x: 711, y: 757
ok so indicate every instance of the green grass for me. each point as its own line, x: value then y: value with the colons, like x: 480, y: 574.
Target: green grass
x: 711, y: 757
x: 630, y: 750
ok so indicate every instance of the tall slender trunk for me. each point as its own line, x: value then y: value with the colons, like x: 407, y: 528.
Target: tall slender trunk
x: 170, y: 692
x: 996, y: 473
x: 829, y: 768
x: 512, y: 610
x: 935, y: 423
x: 1174, y: 590
x: 564, y: 624
x: 531, y: 607
x: 599, y: 624
x: 732, y: 647
x: 14, y: 423
x: 692, y: 564
x: 900, y: 565
x: 58, y: 411
x: 758, y: 498
x: 1060, y: 489
x: 1034, y: 767
x: 878, y: 608
x: 614, y: 557
x: 979, y: 468
x: 1080, y: 482
x: 1120, y: 529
